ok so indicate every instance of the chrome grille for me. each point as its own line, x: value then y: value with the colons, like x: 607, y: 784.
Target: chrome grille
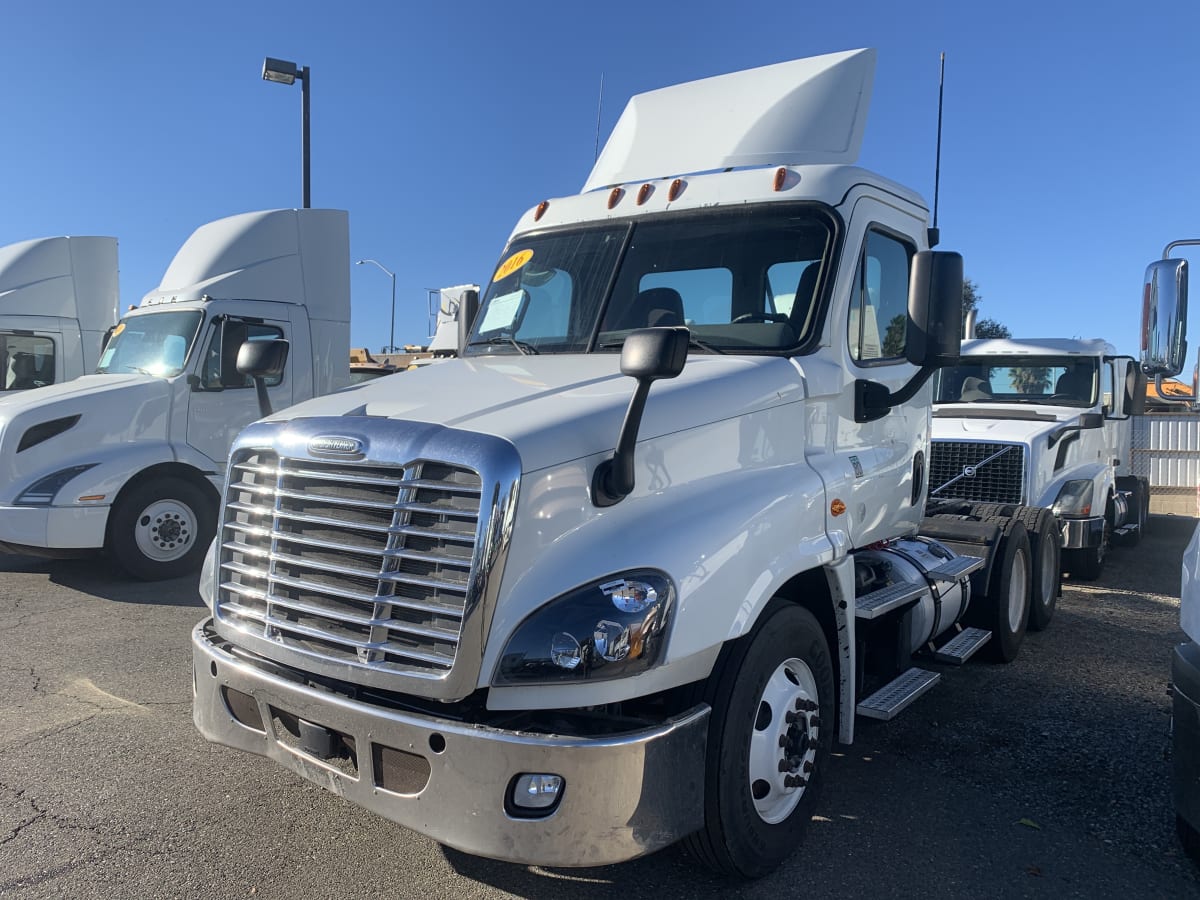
x: 978, y: 471
x: 366, y: 565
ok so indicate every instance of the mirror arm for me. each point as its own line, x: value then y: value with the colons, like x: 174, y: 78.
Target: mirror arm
x: 1178, y: 401
x: 613, y: 479
x: 874, y: 401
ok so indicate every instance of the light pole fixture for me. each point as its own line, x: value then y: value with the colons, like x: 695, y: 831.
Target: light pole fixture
x: 392, y: 275
x: 283, y: 72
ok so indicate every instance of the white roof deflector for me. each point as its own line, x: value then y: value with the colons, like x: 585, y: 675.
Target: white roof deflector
x: 803, y: 112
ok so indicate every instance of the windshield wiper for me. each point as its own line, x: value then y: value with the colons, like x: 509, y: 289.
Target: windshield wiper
x: 523, y: 348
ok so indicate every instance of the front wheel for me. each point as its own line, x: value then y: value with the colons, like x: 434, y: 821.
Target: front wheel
x: 771, y: 729
x: 161, y: 529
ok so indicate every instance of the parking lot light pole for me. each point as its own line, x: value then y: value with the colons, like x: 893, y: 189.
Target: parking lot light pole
x: 392, y: 275
x: 283, y: 72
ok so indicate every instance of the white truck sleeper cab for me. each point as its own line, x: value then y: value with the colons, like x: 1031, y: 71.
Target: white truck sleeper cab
x: 618, y: 574
x: 58, y: 301
x: 132, y: 458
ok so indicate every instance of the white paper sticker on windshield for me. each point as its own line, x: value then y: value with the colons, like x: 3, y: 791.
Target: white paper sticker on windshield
x: 502, y: 312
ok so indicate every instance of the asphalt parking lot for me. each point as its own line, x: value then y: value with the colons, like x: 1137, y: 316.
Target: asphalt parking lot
x: 1044, y: 778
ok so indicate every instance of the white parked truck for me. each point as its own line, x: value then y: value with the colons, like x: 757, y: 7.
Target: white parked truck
x: 1164, y: 355
x: 1044, y: 423
x: 132, y: 458
x: 620, y: 573
x: 58, y: 300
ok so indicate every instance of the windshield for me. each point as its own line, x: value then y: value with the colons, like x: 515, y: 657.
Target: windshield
x: 742, y: 280
x: 1048, y: 380
x: 152, y: 344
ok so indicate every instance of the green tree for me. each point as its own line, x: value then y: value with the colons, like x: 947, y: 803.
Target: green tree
x: 1030, y: 379
x: 984, y: 328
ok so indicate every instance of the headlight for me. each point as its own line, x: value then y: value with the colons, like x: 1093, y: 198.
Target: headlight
x: 43, y: 491
x: 603, y: 630
x: 1075, y: 499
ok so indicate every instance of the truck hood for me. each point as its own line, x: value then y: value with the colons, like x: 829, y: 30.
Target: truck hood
x: 1004, y: 424
x: 112, y: 409
x: 557, y: 408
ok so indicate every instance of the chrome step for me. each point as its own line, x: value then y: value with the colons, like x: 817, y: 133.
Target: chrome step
x: 1125, y: 529
x: 962, y: 646
x: 884, y: 600
x: 891, y: 699
x: 954, y: 569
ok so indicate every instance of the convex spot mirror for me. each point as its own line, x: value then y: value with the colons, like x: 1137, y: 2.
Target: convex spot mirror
x: 1164, y: 317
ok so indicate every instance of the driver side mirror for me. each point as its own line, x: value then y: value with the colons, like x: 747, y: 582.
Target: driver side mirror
x: 935, y: 309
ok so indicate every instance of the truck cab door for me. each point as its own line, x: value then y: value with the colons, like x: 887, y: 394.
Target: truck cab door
x: 885, y: 458
x: 223, y: 401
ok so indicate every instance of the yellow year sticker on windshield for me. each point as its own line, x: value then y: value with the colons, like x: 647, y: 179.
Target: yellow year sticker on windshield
x: 120, y: 327
x: 511, y: 264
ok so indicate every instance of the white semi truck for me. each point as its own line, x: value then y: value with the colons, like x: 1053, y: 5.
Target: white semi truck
x: 620, y: 573
x: 1044, y: 423
x: 58, y: 300
x: 1164, y: 355
x: 132, y: 458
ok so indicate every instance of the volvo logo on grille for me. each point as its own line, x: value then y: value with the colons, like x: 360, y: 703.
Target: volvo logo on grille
x: 332, y: 445
x: 969, y: 471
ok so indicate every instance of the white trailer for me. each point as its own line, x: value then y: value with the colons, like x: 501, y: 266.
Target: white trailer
x: 622, y: 572
x: 58, y: 301
x: 132, y: 459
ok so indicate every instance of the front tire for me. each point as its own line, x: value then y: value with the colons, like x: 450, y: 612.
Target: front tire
x: 161, y: 529
x: 770, y: 732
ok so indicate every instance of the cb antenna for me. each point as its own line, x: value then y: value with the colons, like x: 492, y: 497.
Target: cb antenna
x: 599, y: 108
x: 935, y: 233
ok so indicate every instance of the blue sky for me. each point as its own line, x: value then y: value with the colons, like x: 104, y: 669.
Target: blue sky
x: 1068, y: 162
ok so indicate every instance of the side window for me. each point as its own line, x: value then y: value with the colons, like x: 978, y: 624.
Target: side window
x: 879, y: 302
x: 1106, y: 384
x: 220, y: 359
x: 28, y: 361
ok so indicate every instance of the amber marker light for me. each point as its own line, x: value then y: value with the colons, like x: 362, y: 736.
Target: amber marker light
x: 644, y: 193
x: 614, y: 197
x: 780, y: 178
x: 91, y: 497
x: 837, y: 507
x: 541, y: 210
x: 675, y: 189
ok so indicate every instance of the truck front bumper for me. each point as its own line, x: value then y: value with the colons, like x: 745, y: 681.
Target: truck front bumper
x: 1079, y: 534
x: 1185, y: 740
x: 623, y: 795
x: 41, y: 529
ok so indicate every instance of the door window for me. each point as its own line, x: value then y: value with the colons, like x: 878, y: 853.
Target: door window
x: 27, y: 361
x: 220, y: 359
x: 879, y: 301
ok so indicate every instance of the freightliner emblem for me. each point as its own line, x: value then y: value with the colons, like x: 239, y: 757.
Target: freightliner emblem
x: 331, y: 445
